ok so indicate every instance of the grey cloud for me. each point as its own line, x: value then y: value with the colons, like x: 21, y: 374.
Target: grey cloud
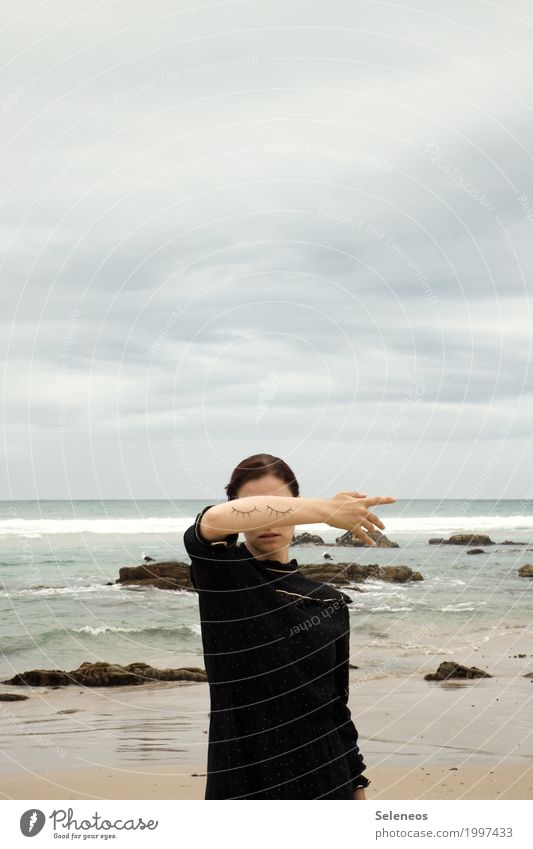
x: 276, y: 203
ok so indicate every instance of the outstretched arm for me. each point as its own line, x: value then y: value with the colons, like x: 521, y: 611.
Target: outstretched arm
x: 263, y: 512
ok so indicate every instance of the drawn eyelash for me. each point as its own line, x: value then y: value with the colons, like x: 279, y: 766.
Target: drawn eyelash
x: 245, y: 512
x: 279, y: 512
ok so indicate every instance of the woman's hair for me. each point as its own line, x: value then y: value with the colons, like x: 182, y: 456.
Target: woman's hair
x: 257, y: 466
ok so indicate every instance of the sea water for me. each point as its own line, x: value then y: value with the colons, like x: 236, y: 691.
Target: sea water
x: 60, y: 605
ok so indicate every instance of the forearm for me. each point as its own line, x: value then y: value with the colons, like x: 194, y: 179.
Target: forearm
x: 263, y: 512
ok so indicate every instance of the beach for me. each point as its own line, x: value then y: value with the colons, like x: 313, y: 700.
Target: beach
x: 61, y: 606
x: 510, y: 781
x: 421, y: 739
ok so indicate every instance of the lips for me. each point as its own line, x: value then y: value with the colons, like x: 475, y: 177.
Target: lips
x: 268, y: 536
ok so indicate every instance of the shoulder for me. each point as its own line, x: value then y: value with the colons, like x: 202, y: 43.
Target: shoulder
x: 218, y: 566
x: 198, y: 547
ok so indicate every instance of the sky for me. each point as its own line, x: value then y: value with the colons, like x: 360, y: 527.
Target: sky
x: 291, y: 227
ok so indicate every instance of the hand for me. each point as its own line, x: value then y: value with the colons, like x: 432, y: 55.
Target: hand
x: 349, y: 511
x: 359, y: 793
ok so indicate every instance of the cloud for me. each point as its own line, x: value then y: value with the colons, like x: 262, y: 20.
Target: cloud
x: 241, y: 225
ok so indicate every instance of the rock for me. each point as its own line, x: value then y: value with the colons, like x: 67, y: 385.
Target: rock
x: 175, y: 575
x: 104, y: 674
x: 12, y: 697
x: 510, y: 542
x: 337, y: 574
x: 528, y: 675
x: 470, y: 539
x: 168, y: 575
x: 399, y: 574
x: 476, y: 551
x: 526, y: 571
x: 463, y: 539
x: 307, y: 539
x: 449, y: 669
x: 350, y: 538
x: 347, y: 573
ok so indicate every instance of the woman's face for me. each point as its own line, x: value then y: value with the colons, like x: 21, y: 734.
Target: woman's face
x: 273, y: 541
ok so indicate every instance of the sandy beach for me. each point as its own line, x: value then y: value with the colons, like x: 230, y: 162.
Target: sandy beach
x: 507, y: 781
x: 420, y: 739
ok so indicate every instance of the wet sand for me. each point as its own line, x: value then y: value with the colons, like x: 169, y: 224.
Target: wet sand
x: 420, y: 740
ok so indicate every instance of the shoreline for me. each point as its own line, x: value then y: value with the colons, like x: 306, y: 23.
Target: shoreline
x: 419, y: 739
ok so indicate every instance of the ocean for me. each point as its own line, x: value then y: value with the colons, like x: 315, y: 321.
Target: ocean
x: 58, y: 557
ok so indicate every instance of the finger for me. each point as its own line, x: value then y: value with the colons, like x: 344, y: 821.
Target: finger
x: 361, y: 534
x: 375, y: 519
x: 379, y: 499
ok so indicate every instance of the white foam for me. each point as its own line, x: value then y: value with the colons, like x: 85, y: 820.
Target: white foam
x: 419, y: 525
x: 105, y: 629
x: 38, y: 527
x: 456, y: 524
x: 73, y: 590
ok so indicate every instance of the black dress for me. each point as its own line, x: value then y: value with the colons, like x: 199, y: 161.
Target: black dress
x: 276, y: 648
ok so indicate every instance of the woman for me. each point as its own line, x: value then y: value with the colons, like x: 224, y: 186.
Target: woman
x: 276, y: 644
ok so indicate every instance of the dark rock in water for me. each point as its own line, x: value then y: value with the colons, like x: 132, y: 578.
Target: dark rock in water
x: 12, y: 697
x: 470, y: 539
x: 476, y: 551
x: 350, y: 538
x: 168, y: 575
x: 528, y: 675
x: 353, y: 666
x: 104, y: 674
x: 399, y: 574
x: 463, y: 539
x: 347, y: 573
x: 510, y: 542
x: 175, y: 575
x: 337, y: 574
x: 449, y: 669
x: 526, y: 571
x: 307, y: 539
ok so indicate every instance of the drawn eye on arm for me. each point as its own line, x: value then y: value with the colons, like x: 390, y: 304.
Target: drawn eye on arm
x: 245, y: 512
x: 279, y: 513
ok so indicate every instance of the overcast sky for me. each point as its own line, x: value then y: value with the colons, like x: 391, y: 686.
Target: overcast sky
x: 293, y: 227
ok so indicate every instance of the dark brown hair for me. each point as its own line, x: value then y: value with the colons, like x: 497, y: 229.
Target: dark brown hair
x: 257, y: 466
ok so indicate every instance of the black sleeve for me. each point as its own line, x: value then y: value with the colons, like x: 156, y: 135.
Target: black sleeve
x: 206, y: 554
x: 343, y: 717
x: 197, y: 546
